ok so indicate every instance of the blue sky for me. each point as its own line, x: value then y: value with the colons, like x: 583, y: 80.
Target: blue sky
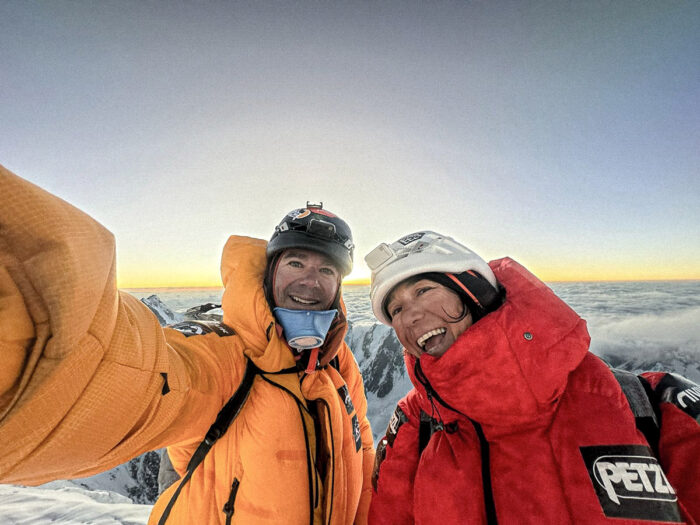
x: 565, y: 135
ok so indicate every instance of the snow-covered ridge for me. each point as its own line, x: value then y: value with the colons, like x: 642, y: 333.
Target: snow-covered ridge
x: 164, y: 314
x: 62, y: 502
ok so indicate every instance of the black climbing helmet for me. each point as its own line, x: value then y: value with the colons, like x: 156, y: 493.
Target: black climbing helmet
x: 314, y: 228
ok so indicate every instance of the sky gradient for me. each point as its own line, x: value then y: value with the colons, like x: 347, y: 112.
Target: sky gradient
x: 565, y: 135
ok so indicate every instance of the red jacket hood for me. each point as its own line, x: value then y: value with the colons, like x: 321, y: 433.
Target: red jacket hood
x: 512, y: 365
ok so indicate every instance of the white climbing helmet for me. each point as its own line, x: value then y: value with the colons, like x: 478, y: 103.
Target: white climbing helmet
x: 416, y: 253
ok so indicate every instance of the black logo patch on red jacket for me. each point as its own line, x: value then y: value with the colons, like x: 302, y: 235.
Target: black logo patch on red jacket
x: 630, y: 484
x: 681, y: 392
x: 398, y: 418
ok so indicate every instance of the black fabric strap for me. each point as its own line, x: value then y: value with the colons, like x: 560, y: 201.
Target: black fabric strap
x: 641, y: 400
x: 486, y: 474
x: 223, y: 420
x: 425, y: 431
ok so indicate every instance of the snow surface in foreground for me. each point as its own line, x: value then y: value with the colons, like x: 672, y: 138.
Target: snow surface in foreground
x: 62, y: 502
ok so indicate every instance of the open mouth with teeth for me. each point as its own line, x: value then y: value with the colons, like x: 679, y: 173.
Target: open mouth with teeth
x: 430, y: 339
x: 301, y: 300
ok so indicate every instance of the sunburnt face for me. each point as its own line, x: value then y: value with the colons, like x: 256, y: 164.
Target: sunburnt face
x: 423, y: 316
x: 305, y: 280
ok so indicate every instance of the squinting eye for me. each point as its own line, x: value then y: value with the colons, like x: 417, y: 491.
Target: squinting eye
x: 395, y: 311
x: 295, y: 264
x: 421, y: 291
x: 328, y: 271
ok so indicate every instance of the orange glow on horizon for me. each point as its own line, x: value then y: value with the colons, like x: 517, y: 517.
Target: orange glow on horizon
x: 184, y: 278
x: 356, y: 282
x: 189, y: 277
x: 604, y: 272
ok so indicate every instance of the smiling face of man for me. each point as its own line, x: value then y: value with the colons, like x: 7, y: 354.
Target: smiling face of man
x: 305, y: 280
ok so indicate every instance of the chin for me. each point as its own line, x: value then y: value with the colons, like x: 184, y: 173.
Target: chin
x: 315, y: 307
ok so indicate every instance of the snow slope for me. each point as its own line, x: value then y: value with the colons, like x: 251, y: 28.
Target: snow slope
x: 62, y: 502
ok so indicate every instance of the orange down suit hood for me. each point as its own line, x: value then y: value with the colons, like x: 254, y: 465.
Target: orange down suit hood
x: 90, y: 380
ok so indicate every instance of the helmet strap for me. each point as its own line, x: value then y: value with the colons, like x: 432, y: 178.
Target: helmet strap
x: 466, y: 290
x: 269, y: 279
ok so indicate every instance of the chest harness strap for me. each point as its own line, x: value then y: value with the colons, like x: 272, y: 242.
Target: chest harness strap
x: 223, y: 420
x: 642, y: 402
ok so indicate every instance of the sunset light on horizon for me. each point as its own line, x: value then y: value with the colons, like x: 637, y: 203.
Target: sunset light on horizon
x: 160, y: 279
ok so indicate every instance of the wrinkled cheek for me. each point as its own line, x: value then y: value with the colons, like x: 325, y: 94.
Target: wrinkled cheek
x: 401, y: 337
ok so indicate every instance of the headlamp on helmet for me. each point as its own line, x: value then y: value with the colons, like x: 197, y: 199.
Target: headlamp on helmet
x: 313, y: 228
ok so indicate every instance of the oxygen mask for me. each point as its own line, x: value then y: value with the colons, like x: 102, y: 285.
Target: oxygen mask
x: 305, y: 329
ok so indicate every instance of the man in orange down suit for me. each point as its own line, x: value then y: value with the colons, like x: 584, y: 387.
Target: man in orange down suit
x: 88, y: 378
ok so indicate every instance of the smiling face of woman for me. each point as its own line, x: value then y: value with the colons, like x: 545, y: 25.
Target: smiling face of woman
x: 426, y: 316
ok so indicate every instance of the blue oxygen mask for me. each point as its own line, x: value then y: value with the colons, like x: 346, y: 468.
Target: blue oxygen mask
x: 305, y: 329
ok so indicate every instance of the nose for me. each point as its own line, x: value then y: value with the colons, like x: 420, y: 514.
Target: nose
x: 412, y: 313
x: 310, y: 277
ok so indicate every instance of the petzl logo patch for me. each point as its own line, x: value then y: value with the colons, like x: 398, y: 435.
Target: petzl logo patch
x: 682, y: 393
x: 408, y: 239
x: 630, y: 484
x: 689, y: 397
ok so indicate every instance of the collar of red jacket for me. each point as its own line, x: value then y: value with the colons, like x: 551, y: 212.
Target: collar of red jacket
x: 511, y: 366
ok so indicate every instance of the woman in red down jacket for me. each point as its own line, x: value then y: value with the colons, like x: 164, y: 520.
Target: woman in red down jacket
x: 511, y: 418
